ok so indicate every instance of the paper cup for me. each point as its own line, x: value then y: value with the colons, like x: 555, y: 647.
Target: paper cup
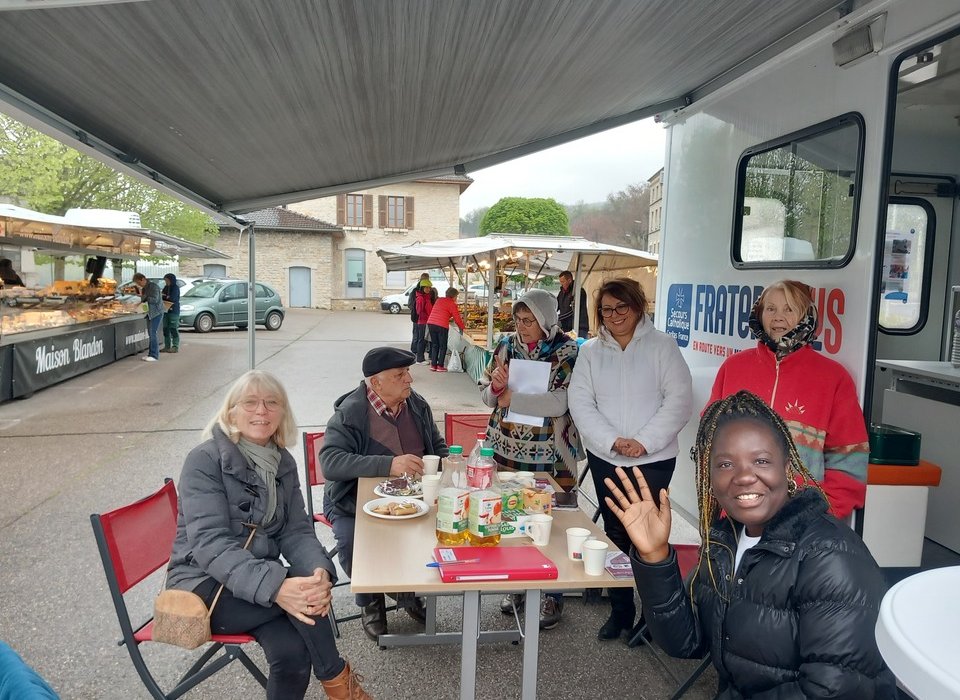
x: 431, y: 487
x: 576, y: 536
x: 594, y: 557
x: 431, y: 463
x: 538, y: 527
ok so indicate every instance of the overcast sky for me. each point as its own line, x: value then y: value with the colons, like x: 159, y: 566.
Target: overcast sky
x: 587, y: 170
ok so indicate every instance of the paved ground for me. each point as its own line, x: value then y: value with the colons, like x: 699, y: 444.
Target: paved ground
x: 109, y: 437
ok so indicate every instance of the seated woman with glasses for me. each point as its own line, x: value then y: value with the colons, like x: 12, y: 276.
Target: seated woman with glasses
x: 243, y: 475
x: 630, y: 396
x: 552, y: 446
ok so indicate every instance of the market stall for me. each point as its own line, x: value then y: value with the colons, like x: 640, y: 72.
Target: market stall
x: 49, y: 333
x: 497, y: 255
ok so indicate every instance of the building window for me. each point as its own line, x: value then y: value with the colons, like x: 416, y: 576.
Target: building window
x: 797, y: 198
x: 396, y: 212
x: 397, y: 279
x: 214, y: 270
x: 354, y: 210
x: 395, y: 217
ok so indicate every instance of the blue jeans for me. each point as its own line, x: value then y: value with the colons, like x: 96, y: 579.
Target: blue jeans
x: 153, y: 330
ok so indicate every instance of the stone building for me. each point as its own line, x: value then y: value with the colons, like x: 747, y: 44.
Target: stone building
x: 656, y: 212
x: 322, y: 253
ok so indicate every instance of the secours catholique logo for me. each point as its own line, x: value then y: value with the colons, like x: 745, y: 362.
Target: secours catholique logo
x: 54, y: 357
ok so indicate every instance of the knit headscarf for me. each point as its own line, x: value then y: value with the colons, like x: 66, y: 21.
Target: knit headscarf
x: 802, y: 334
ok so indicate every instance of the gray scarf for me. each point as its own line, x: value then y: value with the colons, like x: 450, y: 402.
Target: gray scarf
x: 265, y: 460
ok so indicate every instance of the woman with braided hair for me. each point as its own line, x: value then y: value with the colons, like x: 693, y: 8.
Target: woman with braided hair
x: 814, y: 394
x: 784, y: 597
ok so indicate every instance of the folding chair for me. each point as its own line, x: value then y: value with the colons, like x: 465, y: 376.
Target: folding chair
x: 313, y: 476
x: 134, y: 541
x: 687, y: 557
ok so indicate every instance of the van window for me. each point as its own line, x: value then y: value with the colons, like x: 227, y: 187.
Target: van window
x: 906, y: 265
x: 797, y: 198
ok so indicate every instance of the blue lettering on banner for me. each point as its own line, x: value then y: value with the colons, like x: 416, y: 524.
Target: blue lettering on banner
x: 678, y: 313
x: 724, y: 310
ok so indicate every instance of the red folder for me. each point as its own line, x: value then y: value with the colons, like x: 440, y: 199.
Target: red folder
x: 523, y: 563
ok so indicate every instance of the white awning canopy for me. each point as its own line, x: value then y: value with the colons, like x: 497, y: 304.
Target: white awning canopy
x: 558, y: 252
x: 239, y: 105
x: 59, y: 235
x: 515, y: 254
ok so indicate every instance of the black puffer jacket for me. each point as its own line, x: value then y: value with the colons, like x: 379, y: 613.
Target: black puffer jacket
x: 797, y: 620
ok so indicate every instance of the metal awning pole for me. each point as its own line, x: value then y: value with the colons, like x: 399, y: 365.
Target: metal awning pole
x: 251, y: 299
x: 491, y: 285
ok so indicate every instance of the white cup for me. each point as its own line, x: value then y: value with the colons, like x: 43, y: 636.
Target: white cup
x: 525, y: 479
x: 576, y: 536
x: 538, y: 527
x: 431, y: 487
x: 594, y: 557
x: 431, y: 463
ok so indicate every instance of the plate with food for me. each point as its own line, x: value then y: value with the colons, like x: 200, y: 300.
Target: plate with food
x: 400, y: 487
x: 395, y: 509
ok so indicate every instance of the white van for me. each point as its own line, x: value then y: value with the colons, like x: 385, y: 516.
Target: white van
x: 834, y: 161
x: 395, y: 303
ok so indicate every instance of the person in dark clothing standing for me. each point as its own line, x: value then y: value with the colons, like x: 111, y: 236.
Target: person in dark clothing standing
x: 171, y: 316
x: 150, y: 295
x: 785, y: 597
x: 382, y: 428
x: 565, y: 306
x: 9, y: 276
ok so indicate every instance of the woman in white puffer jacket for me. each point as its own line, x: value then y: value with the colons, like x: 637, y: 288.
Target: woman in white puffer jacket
x: 630, y: 396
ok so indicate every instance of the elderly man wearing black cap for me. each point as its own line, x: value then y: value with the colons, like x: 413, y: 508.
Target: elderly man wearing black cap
x: 382, y: 428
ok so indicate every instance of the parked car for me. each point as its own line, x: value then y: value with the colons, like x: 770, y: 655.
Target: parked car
x: 478, y: 292
x: 224, y: 303
x: 395, y: 303
x: 185, y: 284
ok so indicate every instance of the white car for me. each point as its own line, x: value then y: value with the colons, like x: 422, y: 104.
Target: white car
x: 479, y: 293
x: 395, y: 303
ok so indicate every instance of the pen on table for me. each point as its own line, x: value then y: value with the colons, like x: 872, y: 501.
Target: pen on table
x: 435, y: 564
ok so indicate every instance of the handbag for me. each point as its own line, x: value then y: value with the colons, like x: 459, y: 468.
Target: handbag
x: 181, y: 618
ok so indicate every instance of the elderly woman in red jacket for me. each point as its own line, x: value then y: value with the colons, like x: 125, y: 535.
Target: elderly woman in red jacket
x: 812, y: 393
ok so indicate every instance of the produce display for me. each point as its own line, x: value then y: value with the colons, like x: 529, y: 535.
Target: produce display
x: 475, y: 318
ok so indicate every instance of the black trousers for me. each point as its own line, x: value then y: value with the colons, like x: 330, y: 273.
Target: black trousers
x: 419, y: 340
x: 291, y: 647
x: 438, y: 344
x: 657, y: 476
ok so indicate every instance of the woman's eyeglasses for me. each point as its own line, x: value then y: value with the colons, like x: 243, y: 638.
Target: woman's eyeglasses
x: 621, y: 309
x: 250, y: 405
x: 525, y: 322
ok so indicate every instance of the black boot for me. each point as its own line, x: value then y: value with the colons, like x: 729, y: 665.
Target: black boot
x: 622, y: 613
x: 373, y: 616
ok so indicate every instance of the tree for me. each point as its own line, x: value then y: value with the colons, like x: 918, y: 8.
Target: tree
x: 470, y: 223
x: 50, y: 177
x: 526, y: 215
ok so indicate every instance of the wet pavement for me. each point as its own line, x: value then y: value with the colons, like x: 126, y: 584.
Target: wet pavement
x: 109, y: 437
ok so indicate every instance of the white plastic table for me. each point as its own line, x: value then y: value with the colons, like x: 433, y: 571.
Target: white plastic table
x: 917, y: 633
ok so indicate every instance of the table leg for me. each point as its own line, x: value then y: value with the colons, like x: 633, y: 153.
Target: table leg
x: 431, y: 625
x: 468, y: 653
x: 531, y: 644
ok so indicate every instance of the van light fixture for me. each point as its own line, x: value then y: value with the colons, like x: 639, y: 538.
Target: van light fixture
x: 861, y: 41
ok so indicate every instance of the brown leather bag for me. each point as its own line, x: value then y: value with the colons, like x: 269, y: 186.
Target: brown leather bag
x: 181, y: 618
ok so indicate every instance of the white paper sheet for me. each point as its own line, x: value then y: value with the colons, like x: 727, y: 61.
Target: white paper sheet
x: 528, y: 377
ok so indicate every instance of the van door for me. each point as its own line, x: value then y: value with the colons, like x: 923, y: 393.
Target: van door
x: 913, y: 279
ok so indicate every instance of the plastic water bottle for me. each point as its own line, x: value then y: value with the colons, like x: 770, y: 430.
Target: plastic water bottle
x: 452, y: 500
x: 485, y: 504
x: 475, y: 452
